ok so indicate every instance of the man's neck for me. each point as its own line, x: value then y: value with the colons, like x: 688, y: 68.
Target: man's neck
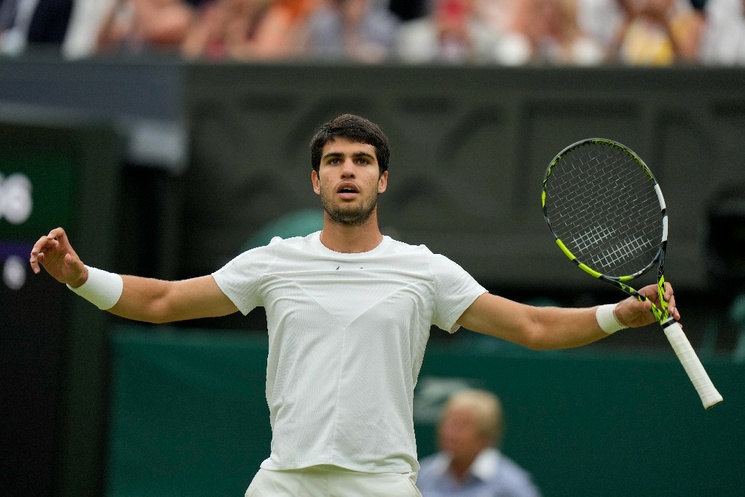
x: 460, y: 467
x: 351, y: 239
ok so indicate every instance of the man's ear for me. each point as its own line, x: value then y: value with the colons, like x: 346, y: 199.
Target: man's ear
x: 316, y: 181
x: 383, y: 182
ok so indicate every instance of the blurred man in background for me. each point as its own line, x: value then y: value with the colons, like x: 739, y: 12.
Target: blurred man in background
x: 469, y: 463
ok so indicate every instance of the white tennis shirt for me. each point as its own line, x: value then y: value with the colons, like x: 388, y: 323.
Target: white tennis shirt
x: 347, y: 334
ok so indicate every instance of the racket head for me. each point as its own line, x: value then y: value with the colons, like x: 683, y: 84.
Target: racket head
x: 605, y: 209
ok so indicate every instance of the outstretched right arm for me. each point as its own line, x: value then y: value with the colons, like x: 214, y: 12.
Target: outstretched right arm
x: 141, y: 299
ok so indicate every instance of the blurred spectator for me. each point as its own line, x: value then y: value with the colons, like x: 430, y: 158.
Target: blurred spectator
x: 451, y: 32
x: 140, y: 25
x: 86, y: 20
x: 32, y: 23
x: 723, y: 39
x: 603, y: 20
x: 360, y: 30
x: 495, y: 14
x: 223, y: 28
x: 279, y: 31
x: 469, y: 462
x: 659, y: 32
x: 547, y: 32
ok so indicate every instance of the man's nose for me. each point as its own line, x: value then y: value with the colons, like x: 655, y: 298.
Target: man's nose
x: 347, y: 168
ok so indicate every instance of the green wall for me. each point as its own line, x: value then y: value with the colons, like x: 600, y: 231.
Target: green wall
x: 188, y: 416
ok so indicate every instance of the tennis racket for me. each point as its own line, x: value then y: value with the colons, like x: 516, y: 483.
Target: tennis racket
x: 607, y: 214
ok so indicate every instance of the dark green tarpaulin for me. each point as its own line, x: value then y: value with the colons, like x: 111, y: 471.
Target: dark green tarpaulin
x: 189, y: 418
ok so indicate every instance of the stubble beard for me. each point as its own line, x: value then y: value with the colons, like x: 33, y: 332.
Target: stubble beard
x: 348, y: 215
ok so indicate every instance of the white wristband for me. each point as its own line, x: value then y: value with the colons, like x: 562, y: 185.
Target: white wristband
x: 102, y: 288
x: 606, y: 316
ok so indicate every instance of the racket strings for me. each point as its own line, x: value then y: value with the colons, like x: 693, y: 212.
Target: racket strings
x: 603, y: 205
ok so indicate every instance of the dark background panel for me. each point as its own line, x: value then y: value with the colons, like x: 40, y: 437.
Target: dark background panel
x: 469, y: 151
x: 52, y: 371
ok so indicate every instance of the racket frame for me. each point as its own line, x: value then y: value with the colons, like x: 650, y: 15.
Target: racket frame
x: 673, y: 331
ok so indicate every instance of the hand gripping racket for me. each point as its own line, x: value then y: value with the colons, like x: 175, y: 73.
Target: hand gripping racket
x: 608, y: 215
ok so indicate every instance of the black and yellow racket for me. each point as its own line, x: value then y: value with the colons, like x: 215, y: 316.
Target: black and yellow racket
x: 608, y: 215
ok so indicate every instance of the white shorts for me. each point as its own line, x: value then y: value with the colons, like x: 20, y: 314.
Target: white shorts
x: 331, y: 481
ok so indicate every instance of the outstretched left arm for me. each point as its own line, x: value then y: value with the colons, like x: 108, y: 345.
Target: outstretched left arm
x: 546, y: 328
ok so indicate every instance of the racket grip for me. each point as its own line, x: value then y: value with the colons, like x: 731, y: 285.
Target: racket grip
x: 692, y: 365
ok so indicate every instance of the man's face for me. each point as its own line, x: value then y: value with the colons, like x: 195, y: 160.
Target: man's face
x: 459, y: 435
x: 349, y: 181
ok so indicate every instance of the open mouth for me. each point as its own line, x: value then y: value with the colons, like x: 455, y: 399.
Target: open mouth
x: 347, y: 190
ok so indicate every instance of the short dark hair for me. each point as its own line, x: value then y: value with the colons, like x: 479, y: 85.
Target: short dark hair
x: 353, y: 128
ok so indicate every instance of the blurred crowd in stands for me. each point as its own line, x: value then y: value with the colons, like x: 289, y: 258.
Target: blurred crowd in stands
x: 499, y: 32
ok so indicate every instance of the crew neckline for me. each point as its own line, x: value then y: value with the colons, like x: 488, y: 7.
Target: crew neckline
x: 319, y: 244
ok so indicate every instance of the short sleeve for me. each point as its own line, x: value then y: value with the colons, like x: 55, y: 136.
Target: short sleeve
x: 455, y: 290
x: 240, y: 279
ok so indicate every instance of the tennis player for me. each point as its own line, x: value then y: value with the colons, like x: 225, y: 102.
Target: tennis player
x: 349, y: 312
